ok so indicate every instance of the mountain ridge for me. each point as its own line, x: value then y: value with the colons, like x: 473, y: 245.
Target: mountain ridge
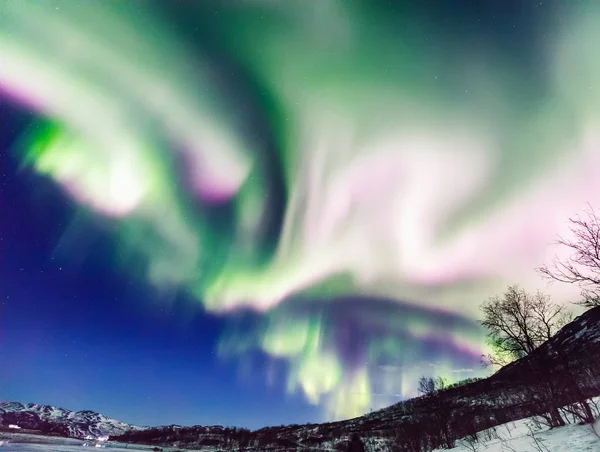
x: 58, y: 421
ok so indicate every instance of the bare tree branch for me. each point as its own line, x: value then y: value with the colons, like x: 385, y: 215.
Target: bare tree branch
x: 582, y: 267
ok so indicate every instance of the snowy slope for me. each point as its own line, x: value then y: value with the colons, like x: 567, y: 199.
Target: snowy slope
x: 522, y: 436
x: 50, y: 419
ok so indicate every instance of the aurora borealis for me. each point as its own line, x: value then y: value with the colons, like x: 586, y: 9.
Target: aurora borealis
x: 360, y: 176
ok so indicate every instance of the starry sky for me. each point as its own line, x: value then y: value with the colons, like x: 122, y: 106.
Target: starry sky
x: 263, y: 212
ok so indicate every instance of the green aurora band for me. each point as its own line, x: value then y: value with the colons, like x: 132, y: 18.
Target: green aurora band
x: 295, y: 157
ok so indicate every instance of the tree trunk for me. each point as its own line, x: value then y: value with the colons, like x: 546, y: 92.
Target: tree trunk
x: 589, y: 417
x: 557, y: 420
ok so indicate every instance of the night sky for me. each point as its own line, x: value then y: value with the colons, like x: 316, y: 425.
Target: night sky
x: 270, y: 212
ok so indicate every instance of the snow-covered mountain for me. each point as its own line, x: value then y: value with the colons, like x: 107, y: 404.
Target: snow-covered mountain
x: 59, y: 421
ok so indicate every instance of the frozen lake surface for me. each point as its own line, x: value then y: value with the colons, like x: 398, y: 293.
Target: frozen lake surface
x: 61, y: 448
x: 33, y: 443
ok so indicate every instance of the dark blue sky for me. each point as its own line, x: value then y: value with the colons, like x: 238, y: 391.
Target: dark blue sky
x: 78, y: 335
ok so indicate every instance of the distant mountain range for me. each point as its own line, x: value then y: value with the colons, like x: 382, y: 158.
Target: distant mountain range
x: 58, y: 421
x: 563, y: 371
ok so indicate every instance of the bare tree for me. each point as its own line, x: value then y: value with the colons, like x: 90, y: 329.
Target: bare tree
x: 582, y: 267
x: 427, y: 386
x: 518, y: 322
x: 430, y: 385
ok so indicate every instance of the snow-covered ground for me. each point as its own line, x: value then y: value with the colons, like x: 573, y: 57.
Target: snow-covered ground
x: 520, y: 436
x: 523, y: 436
